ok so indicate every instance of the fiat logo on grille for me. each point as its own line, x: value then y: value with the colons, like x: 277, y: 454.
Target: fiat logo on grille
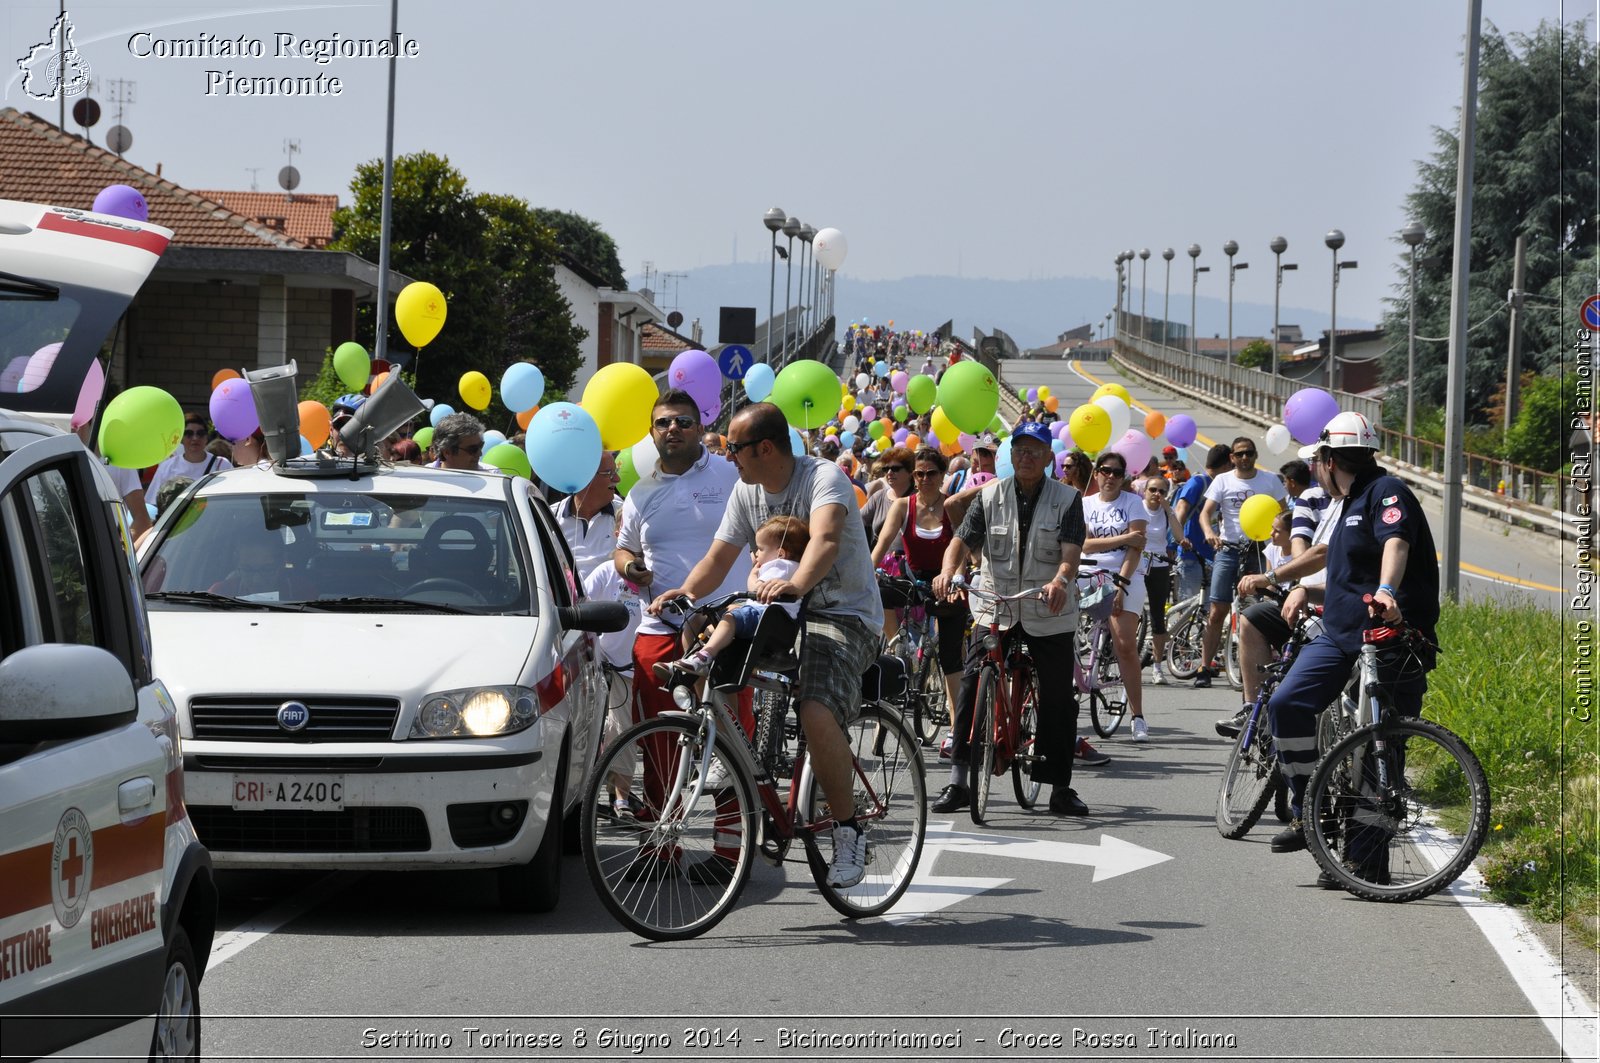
x: 293, y: 716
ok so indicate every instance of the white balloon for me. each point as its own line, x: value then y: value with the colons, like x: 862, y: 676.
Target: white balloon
x: 829, y: 247
x: 1277, y: 439
x: 852, y: 423
x: 645, y: 456
x: 862, y: 380
x: 1118, y: 410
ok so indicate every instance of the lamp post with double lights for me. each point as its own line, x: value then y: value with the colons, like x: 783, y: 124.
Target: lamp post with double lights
x: 1413, y: 235
x: 1166, y: 303
x: 1279, y: 246
x: 791, y: 229
x: 1127, y: 306
x: 1144, y: 288
x: 1334, y: 240
x: 1230, y: 249
x: 803, y: 295
x: 1194, y: 285
x: 809, y: 236
x: 1118, y: 311
x: 773, y: 220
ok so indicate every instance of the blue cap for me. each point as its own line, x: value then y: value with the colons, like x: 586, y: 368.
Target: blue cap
x: 1032, y: 430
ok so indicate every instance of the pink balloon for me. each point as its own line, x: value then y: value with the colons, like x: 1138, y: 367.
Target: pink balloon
x: 968, y: 440
x: 870, y: 413
x: 1181, y: 430
x: 233, y: 409
x: 1134, y: 446
x: 94, y: 385
x: 697, y: 373
x: 39, y: 367
x: 897, y: 380
x: 11, y: 375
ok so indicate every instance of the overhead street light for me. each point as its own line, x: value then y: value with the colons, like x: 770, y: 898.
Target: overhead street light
x: 1144, y: 275
x: 1230, y: 249
x: 1166, y: 303
x: 1413, y: 234
x: 791, y: 229
x: 1279, y: 246
x: 1194, y: 283
x: 773, y: 219
x: 1334, y: 240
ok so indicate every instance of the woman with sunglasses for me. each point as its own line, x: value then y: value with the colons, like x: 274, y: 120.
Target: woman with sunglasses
x: 192, y: 459
x: 894, y: 481
x: 1075, y: 470
x: 1160, y: 556
x: 919, y: 521
x: 1117, y: 521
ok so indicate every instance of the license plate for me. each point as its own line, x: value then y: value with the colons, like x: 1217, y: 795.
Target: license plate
x: 316, y: 793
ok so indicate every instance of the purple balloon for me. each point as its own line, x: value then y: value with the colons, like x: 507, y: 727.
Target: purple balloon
x: 123, y: 202
x: 233, y: 409
x: 967, y: 440
x: 1307, y: 412
x: 898, y: 380
x: 1033, y: 396
x: 900, y: 435
x: 697, y: 373
x: 39, y: 367
x: 1181, y: 430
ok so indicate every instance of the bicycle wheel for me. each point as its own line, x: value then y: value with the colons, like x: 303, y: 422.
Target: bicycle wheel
x: 1184, y: 646
x: 1397, y: 810
x: 673, y: 869
x: 927, y: 696
x: 1107, y: 712
x: 1249, y: 780
x: 891, y: 803
x: 1023, y: 784
x: 980, y: 752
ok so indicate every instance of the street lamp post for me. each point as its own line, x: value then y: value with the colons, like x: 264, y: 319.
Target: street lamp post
x: 1194, y: 284
x: 1144, y: 288
x: 807, y: 305
x: 1230, y: 249
x: 1279, y: 246
x: 1334, y: 240
x: 1166, y: 303
x: 791, y: 229
x: 1127, y: 304
x: 1118, y: 310
x: 773, y: 220
x: 1413, y: 235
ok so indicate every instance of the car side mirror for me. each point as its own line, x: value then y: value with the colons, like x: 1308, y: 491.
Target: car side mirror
x: 597, y: 617
x: 40, y: 703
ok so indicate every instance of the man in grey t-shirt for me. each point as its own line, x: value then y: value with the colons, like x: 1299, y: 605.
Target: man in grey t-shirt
x: 844, y: 616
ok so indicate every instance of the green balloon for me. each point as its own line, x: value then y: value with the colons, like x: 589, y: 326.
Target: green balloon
x: 628, y: 475
x: 921, y: 393
x: 969, y: 395
x: 141, y: 427
x: 901, y: 412
x: 423, y: 437
x: 508, y: 457
x: 351, y: 363
x: 807, y: 392
x: 875, y: 429
x: 1022, y: 394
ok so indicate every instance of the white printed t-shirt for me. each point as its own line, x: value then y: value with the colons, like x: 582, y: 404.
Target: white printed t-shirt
x: 1230, y: 493
x: 1107, y: 519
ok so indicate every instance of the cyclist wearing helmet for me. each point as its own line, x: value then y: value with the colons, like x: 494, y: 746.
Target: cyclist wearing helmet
x: 1382, y: 546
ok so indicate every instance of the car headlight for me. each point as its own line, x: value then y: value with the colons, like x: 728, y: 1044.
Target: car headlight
x: 477, y: 712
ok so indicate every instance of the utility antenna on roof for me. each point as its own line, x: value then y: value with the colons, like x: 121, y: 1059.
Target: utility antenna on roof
x: 649, y: 271
x: 289, y: 177
x: 673, y: 279
x: 118, y: 138
x: 255, y: 186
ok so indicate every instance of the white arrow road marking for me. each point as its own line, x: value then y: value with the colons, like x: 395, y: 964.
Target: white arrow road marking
x: 929, y: 893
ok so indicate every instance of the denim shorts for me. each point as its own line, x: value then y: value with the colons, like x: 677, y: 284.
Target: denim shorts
x: 745, y: 618
x: 1233, y: 560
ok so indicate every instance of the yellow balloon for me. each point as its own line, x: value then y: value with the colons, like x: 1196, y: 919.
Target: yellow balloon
x: 620, y: 397
x: 1044, y: 392
x: 830, y: 431
x: 475, y: 390
x: 1090, y: 426
x: 849, y: 402
x: 942, y: 427
x: 1256, y: 516
x: 419, y: 310
x: 1112, y: 389
x: 883, y: 443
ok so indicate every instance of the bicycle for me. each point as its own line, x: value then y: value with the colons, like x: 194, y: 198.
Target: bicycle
x: 1097, y: 670
x: 1186, y: 630
x: 917, y: 644
x: 1252, y: 777
x: 710, y: 802
x: 1369, y: 818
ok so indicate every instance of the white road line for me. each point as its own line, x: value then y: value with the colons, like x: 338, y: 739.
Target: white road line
x: 230, y: 943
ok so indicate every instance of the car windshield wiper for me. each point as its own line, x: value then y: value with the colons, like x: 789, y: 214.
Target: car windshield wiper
x: 369, y: 603
x: 15, y: 287
x: 212, y: 598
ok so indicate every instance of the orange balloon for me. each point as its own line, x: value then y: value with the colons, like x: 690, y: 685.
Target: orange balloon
x: 315, y: 422
x: 1154, y: 424
x: 377, y: 382
x: 913, y: 442
x: 861, y: 497
x: 950, y: 450
x: 1052, y: 403
x: 223, y: 374
x: 526, y: 417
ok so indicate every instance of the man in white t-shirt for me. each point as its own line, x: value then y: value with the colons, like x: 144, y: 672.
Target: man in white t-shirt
x: 1236, y: 554
x: 192, y: 459
x: 588, y: 519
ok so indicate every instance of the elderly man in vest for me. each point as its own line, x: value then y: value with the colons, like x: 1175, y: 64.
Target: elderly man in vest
x: 1030, y: 528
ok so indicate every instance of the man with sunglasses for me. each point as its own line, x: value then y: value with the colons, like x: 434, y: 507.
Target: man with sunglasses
x: 588, y: 519
x: 1236, y: 554
x: 844, y: 617
x: 192, y: 459
x: 458, y: 442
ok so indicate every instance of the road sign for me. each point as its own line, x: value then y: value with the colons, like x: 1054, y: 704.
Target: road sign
x: 734, y: 360
x: 1590, y: 314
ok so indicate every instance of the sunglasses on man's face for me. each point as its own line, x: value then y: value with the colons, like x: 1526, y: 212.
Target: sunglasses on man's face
x: 194, y: 433
x: 1244, y: 453
x: 734, y: 448
x: 1111, y: 470
x: 471, y: 448
x: 682, y: 421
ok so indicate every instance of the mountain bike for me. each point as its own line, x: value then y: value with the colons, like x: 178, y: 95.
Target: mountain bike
x: 1097, y: 670
x: 709, y: 801
x: 1370, y: 818
x: 917, y: 644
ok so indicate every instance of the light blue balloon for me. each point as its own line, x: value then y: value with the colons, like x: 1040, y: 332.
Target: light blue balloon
x: 521, y: 387
x: 1055, y: 445
x: 847, y: 439
x: 1002, y: 460
x: 796, y: 444
x: 306, y: 447
x: 881, y: 370
x: 564, y: 446
x: 492, y: 439
x: 758, y: 381
x: 439, y: 412
x: 150, y: 508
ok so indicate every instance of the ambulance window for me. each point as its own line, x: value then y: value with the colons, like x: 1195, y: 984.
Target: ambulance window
x: 62, y: 583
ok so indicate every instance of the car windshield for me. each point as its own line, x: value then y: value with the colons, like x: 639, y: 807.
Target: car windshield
x: 340, y: 551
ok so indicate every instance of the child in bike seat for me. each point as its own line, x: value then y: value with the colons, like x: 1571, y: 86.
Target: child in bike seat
x: 779, y: 543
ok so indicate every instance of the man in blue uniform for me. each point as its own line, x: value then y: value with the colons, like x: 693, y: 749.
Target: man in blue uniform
x: 1382, y: 546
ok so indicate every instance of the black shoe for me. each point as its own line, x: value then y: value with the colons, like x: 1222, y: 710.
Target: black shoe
x: 1064, y: 802
x: 712, y: 871
x: 1203, y: 679
x: 1232, y: 725
x: 1292, y: 839
x: 1327, y: 882
x: 650, y: 866
x: 952, y: 798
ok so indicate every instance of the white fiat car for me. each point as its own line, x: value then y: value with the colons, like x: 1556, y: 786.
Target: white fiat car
x: 378, y: 666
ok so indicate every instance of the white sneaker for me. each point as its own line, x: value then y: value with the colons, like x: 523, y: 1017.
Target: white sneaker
x: 1158, y: 677
x: 849, y: 857
x: 717, y: 777
x: 1141, y: 730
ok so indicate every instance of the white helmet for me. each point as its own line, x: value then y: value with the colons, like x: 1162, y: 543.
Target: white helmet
x: 1349, y: 430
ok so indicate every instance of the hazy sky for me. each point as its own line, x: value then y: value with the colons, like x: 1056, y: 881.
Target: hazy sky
x: 1007, y: 139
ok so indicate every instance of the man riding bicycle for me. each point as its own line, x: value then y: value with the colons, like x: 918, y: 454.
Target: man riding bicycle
x: 1382, y: 546
x: 1031, y: 530
x: 844, y: 617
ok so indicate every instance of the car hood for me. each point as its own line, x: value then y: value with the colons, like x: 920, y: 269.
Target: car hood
x: 204, y: 652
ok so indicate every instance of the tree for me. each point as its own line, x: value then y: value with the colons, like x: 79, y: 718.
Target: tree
x: 1534, y: 174
x: 585, y: 241
x: 1254, y: 355
x: 487, y: 253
